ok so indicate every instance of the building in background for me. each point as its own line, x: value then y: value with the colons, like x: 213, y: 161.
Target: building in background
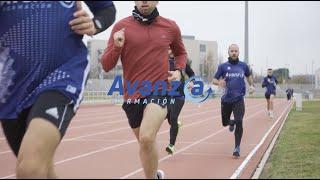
x: 317, y: 79
x: 203, y: 56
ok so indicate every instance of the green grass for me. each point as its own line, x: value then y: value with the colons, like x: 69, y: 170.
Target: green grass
x: 297, y: 151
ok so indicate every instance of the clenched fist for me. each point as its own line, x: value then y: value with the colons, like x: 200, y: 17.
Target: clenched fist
x: 174, y: 76
x: 251, y: 89
x: 119, y: 38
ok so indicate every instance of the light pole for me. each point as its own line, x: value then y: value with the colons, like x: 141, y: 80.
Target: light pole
x: 312, y: 76
x: 246, y: 34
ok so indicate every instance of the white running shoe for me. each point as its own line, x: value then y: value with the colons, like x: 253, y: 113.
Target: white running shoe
x: 271, y: 114
x: 160, y: 174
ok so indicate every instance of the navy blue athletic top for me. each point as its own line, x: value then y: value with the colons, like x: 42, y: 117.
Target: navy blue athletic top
x: 270, y: 83
x: 234, y: 73
x: 39, y: 52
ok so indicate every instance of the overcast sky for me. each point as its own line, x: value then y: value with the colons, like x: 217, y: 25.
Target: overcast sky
x: 281, y: 34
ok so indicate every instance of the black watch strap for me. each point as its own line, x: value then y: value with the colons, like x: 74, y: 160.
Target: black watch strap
x: 97, y: 24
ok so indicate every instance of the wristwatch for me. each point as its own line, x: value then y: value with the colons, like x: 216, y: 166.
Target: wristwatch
x: 97, y: 24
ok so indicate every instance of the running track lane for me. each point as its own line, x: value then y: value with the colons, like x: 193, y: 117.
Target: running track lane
x: 103, y: 147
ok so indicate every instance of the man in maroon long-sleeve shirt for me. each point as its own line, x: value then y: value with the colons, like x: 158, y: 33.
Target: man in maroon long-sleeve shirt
x: 141, y: 41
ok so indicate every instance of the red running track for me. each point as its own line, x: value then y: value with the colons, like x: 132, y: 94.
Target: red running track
x: 100, y: 144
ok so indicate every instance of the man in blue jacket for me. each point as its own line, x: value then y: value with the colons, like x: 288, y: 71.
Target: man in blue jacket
x: 270, y: 83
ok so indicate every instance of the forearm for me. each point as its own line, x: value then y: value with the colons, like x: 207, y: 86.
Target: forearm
x: 264, y: 85
x: 250, y: 80
x: 110, y: 58
x: 180, y: 61
x: 179, y: 50
x: 189, y: 71
x: 215, y: 81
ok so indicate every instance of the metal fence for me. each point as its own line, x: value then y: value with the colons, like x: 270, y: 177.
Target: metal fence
x: 101, y: 97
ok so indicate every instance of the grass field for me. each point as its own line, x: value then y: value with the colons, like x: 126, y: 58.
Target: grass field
x: 297, y: 151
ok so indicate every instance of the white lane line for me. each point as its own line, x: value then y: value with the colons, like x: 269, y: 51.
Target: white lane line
x: 266, y: 155
x: 111, y: 131
x: 189, y: 146
x: 129, y: 142
x: 238, y: 171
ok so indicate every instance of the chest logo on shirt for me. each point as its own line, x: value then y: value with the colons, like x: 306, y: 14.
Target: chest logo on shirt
x: 270, y: 80
x: 235, y: 75
x: 67, y: 4
x: 229, y: 68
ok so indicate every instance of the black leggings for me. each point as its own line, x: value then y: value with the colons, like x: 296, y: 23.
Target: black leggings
x: 173, y: 115
x: 238, y: 109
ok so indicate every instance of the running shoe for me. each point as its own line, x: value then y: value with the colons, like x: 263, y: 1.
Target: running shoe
x: 170, y: 149
x: 236, y: 152
x: 271, y: 114
x: 160, y: 174
x: 179, y: 124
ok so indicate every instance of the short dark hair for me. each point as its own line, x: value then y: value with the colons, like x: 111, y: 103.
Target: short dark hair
x: 269, y: 69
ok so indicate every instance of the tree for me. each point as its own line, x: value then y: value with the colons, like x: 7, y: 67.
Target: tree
x: 282, y: 75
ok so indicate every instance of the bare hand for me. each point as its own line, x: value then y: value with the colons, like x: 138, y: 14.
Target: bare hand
x: 119, y: 38
x: 252, y: 90
x: 82, y: 24
x: 190, y: 85
x: 174, y: 76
